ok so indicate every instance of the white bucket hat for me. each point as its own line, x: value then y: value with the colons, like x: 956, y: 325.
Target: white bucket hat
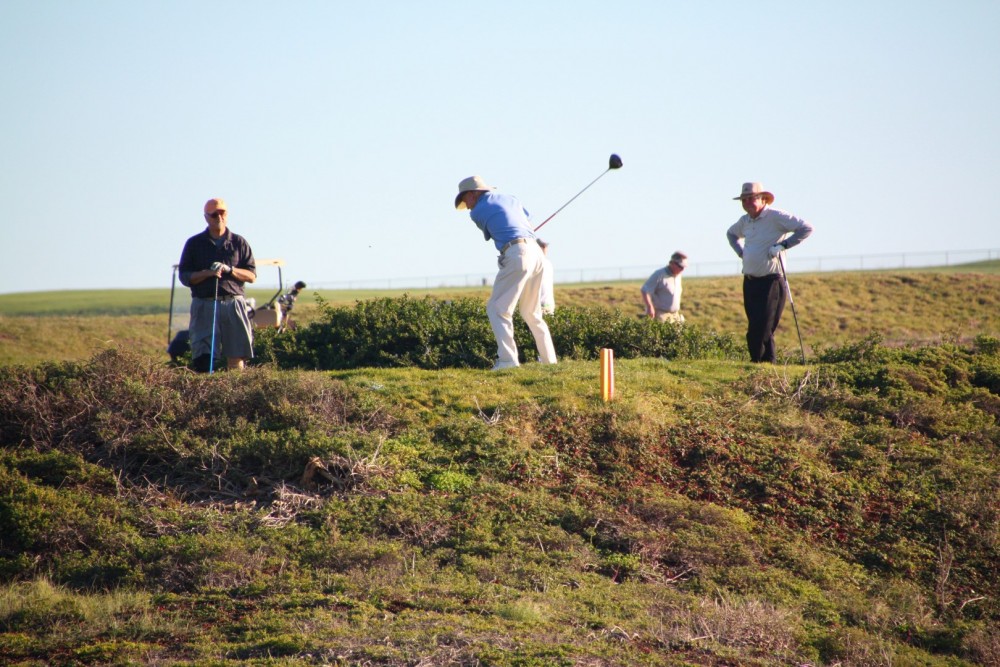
x: 754, y: 189
x: 470, y: 184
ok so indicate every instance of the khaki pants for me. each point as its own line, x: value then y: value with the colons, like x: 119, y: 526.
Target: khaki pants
x: 667, y: 316
x: 517, y: 283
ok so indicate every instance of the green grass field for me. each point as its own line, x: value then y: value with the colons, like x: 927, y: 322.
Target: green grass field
x: 157, y: 300
x: 916, y: 306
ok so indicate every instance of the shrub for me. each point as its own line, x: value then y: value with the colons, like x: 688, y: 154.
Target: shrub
x: 867, y: 350
x: 425, y: 333
x: 986, y: 374
x: 432, y: 334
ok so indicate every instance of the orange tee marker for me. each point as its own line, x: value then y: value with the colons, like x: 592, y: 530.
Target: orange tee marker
x: 607, y: 374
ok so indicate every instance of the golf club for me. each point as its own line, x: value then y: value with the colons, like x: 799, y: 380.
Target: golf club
x: 614, y: 162
x: 215, y: 314
x: 170, y: 318
x: 781, y: 263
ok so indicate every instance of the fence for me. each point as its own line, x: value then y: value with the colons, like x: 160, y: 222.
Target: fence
x: 898, y: 260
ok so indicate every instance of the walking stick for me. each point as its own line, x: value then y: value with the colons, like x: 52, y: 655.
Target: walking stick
x: 784, y: 276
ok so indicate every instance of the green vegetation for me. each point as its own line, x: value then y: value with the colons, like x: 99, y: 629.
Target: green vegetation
x: 915, y: 307
x: 87, y: 302
x: 843, y: 512
x: 434, y: 334
x: 716, y: 513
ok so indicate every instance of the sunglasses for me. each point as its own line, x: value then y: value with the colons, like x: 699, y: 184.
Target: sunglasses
x: 217, y: 214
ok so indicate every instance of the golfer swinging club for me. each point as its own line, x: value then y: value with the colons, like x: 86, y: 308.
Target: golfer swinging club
x: 503, y: 220
x: 766, y: 233
x: 216, y: 264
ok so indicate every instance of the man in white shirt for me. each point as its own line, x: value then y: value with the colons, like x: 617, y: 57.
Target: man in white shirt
x: 765, y: 233
x: 662, y: 291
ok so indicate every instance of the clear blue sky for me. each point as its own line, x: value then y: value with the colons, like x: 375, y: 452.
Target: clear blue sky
x: 338, y: 131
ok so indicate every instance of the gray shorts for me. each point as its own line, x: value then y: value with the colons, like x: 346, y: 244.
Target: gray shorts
x: 233, y: 331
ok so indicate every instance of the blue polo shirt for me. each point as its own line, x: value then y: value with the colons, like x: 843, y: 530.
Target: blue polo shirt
x: 501, y: 218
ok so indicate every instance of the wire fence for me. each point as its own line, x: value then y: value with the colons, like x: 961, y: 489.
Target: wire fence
x: 873, y: 262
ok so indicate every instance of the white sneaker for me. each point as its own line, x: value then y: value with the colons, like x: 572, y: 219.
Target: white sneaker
x: 500, y: 365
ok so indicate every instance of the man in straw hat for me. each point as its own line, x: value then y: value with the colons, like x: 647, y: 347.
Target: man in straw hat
x: 765, y: 233
x: 504, y: 220
x: 216, y: 264
x: 662, y: 291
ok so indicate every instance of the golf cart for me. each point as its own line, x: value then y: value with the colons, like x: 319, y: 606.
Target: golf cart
x: 273, y: 314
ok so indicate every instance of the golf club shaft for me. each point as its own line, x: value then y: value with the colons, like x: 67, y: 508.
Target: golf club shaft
x: 788, y: 289
x: 571, y: 200
x: 170, y: 318
x: 215, y: 313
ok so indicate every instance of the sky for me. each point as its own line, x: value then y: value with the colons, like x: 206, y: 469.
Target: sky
x: 338, y: 131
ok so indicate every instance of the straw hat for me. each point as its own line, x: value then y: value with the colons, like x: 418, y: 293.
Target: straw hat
x: 754, y: 189
x: 470, y: 184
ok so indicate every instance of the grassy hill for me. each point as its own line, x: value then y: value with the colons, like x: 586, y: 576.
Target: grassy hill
x: 716, y: 513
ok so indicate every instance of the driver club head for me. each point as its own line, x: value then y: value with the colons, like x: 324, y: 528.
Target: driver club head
x: 614, y: 162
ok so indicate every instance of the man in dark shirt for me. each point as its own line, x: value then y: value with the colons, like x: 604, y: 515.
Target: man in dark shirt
x: 216, y: 264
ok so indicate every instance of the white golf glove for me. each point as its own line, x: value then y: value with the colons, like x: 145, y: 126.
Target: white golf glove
x: 219, y: 265
x: 775, y: 250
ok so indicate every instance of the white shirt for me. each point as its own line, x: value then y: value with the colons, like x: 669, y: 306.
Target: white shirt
x: 664, y: 288
x: 771, y: 226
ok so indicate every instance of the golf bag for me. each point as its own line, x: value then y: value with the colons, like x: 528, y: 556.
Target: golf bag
x: 180, y: 345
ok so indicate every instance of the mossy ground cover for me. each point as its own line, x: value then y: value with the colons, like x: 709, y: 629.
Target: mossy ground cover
x: 716, y: 513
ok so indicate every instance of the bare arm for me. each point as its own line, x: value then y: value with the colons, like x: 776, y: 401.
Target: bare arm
x: 244, y: 275
x: 650, y: 310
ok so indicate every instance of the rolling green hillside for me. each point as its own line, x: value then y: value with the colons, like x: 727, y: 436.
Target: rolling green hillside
x: 716, y: 513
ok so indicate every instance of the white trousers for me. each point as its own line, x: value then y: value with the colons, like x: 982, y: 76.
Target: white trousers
x: 517, y: 283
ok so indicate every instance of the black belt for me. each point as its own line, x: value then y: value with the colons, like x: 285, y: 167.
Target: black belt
x: 221, y: 299
x: 747, y: 276
x: 514, y: 242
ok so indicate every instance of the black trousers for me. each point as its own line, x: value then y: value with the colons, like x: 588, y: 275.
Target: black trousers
x: 763, y: 301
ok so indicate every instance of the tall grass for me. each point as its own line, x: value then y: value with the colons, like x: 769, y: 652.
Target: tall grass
x: 71, y: 617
